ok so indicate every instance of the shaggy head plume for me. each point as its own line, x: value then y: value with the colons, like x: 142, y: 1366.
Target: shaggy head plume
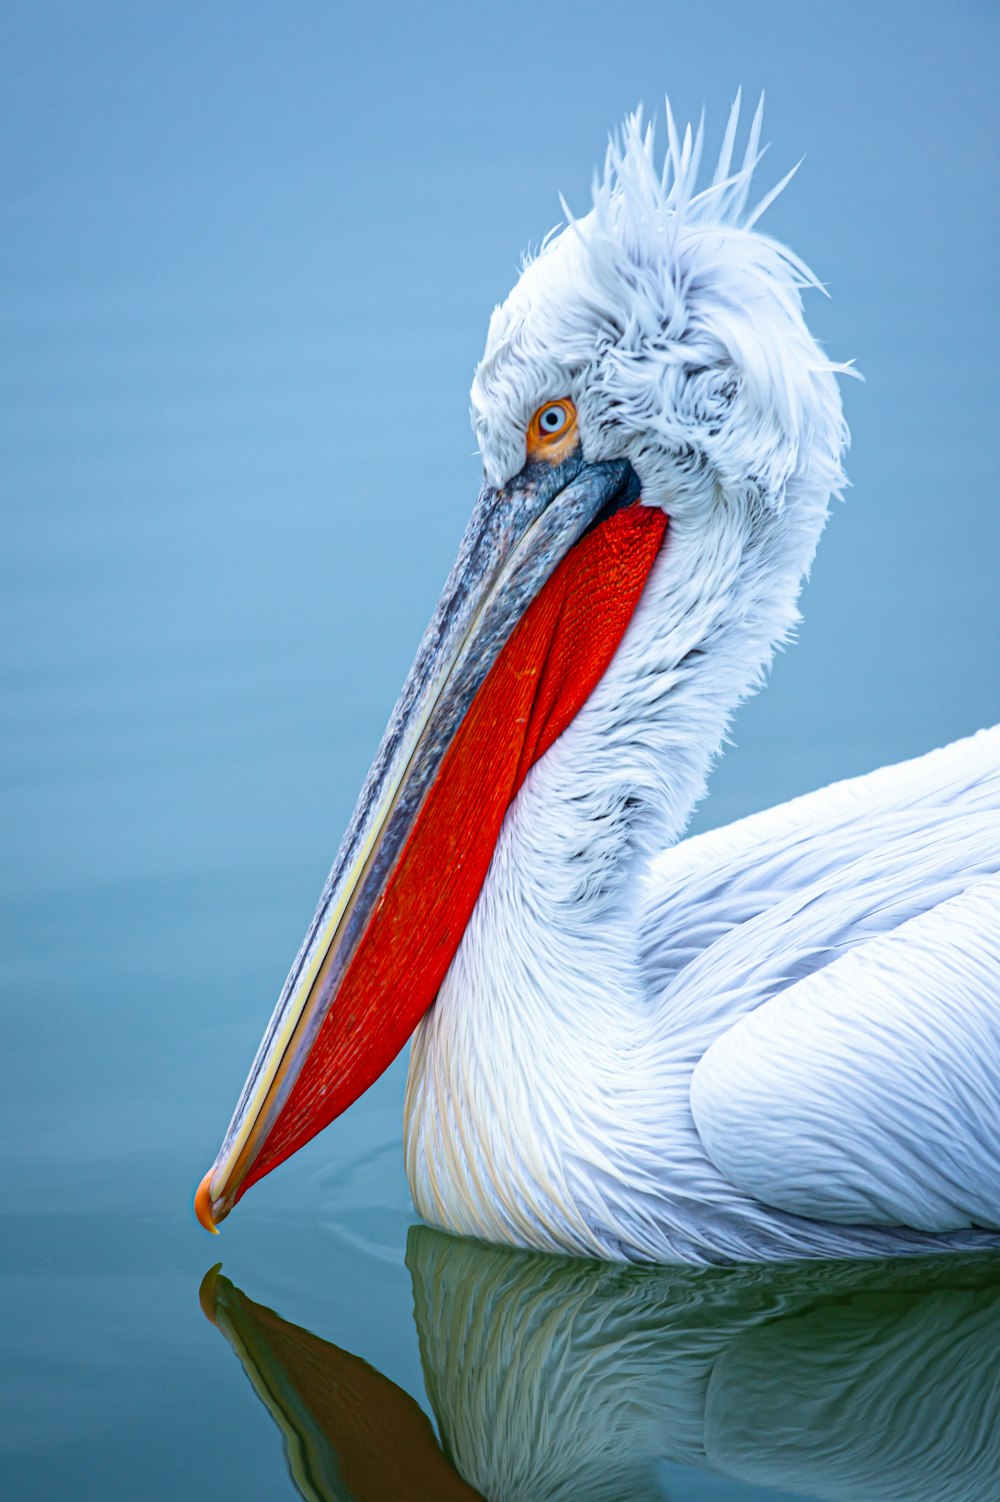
x: 677, y: 329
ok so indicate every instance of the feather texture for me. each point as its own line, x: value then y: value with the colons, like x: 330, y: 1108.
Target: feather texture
x: 867, y: 1093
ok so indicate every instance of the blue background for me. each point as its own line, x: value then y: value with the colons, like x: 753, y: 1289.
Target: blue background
x: 247, y: 256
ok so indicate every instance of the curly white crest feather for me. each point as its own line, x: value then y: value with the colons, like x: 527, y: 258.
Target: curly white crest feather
x: 676, y: 327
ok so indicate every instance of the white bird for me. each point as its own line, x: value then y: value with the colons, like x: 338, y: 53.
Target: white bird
x: 779, y: 1039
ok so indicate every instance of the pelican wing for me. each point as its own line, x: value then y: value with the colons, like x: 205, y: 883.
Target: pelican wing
x: 762, y: 910
x: 713, y: 884
x: 868, y: 1093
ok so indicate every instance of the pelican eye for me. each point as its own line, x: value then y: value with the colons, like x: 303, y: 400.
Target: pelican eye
x: 552, y: 431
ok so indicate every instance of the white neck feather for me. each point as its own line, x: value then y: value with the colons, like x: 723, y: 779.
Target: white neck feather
x: 526, y: 1078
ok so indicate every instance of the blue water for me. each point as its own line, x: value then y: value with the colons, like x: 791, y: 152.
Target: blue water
x: 246, y: 261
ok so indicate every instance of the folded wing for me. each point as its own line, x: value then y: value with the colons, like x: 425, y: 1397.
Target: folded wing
x: 868, y: 1093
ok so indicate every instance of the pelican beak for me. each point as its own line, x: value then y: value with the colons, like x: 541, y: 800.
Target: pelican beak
x: 546, y: 579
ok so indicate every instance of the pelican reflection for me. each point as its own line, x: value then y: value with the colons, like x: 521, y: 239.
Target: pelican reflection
x: 554, y: 1378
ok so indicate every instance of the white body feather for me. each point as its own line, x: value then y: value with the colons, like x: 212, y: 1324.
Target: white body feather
x: 781, y: 1038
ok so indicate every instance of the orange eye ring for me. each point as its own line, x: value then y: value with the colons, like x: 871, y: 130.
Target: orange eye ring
x: 552, y: 431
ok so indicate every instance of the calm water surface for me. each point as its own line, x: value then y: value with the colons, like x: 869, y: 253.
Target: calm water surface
x: 246, y: 266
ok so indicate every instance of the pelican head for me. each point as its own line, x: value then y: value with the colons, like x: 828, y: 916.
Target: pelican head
x: 660, y: 437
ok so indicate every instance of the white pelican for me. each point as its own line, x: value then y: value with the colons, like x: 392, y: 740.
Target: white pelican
x: 781, y: 1038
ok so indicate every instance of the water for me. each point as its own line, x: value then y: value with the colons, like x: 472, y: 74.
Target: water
x: 247, y: 261
x: 557, y: 1378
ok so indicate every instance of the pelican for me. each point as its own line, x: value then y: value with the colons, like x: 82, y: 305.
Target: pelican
x: 777, y: 1039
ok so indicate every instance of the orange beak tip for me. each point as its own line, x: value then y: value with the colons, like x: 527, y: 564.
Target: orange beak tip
x: 208, y: 1294
x: 203, y: 1205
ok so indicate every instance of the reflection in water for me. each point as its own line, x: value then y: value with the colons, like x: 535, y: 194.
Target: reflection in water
x: 350, y: 1434
x: 554, y: 1378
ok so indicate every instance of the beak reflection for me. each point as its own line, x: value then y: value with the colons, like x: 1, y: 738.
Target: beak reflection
x: 350, y: 1434
x: 563, y: 1379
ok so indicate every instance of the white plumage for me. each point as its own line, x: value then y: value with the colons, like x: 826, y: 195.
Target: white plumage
x: 777, y: 1039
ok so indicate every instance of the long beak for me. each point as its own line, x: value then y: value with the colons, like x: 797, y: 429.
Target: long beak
x: 469, y: 723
